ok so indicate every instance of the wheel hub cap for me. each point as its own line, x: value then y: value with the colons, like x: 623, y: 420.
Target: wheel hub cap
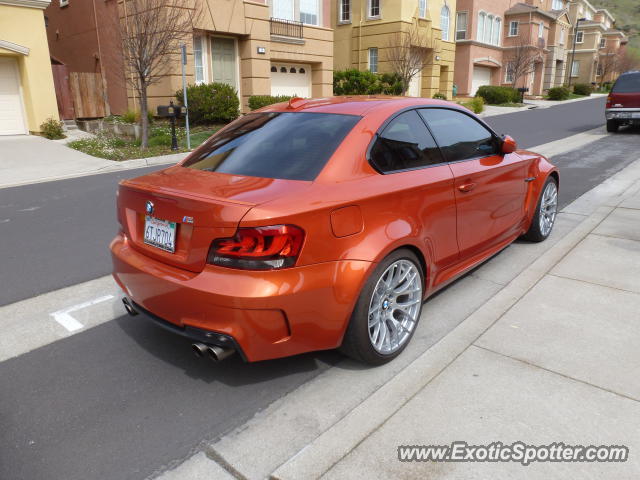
x: 548, y: 208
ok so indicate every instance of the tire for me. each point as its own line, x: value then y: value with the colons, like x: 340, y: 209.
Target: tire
x: 382, y: 341
x: 545, y: 214
x: 612, y: 126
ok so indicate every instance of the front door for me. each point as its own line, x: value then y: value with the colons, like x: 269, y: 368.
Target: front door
x: 223, y: 61
x: 489, y: 187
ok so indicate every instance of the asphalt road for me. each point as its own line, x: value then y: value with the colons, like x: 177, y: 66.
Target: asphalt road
x: 122, y: 400
x: 56, y: 234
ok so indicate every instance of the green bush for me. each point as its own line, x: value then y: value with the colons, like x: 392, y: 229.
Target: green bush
x: 357, y: 82
x: 52, y: 129
x: 439, y: 96
x: 259, y: 101
x: 211, y: 103
x: 133, y: 116
x: 582, y: 89
x: 476, y: 104
x: 495, y: 95
x: 559, y: 93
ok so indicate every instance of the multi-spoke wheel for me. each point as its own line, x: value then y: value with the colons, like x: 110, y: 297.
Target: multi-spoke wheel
x: 387, y: 311
x: 545, y: 214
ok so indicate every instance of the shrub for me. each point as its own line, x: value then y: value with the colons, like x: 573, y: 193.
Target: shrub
x: 559, y: 93
x: 211, y: 103
x: 390, y: 84
x: 495, y: 95
x: 356, y: 82
x: 439, y: 96
x: 582, y: 89
x: 131, y: 117
x: 259, y: 101
x: 52, y: 129
x: 476, y: 104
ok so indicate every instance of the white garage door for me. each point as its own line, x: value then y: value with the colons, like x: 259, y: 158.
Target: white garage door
x: 481, y: 76
x: 293, y: 79
x: 11, y: 113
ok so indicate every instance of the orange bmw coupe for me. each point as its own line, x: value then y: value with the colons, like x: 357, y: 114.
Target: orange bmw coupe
x: 325, y: 223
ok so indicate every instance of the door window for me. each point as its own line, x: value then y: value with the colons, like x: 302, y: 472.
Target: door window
x: 460, y: 137
x: 404, y: 144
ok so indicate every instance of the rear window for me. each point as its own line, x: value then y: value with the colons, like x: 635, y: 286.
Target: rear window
x: 284, y: 145
x: 629, y: 83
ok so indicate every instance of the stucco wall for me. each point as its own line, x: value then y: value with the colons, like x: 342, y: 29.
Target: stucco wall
x: 25, y: 26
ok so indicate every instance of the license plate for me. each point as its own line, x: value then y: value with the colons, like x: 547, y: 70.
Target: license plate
x: 160, y: 234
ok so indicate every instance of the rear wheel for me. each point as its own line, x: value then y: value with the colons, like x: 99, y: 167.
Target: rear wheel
x: 387, y: 311
x: 545, y: 214
x: 612, y: 126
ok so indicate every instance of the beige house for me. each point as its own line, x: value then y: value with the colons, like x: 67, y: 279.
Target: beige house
x: 260, y: 47
x: 27, y: 95
x: 596, y: 41
x: 365, y: 30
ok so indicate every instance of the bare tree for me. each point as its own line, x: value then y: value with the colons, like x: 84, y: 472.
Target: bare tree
x: 151, y: 32
x: 628, y: 61
x: 608, y: 63
x: 521, y: 61
x: 407, y: 52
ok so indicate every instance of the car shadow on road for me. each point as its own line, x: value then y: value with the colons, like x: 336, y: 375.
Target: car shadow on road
x: 176, y: 351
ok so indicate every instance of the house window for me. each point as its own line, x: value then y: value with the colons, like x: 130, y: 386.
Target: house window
x: 497, y: 28
x: 198, y: 59
x: 461, y: 26
x: 345, y: 11
x: 488, y: 29
x: 599, y: 71
x: 603, y: 42
x: 444, y: 22
x: 283, y: 9
x: 513, y: 28
x: 580, y: 37
x: 541, y: 30
x: 373, y: 60
x: 422, y: 8
x: 575, y: 68
x: 482, y: 19
x: 588, y: 15
x: 562, y: 36
x: 309, y: 12
x: 557, y: 5
x: 509, y: 73
x: 374, y: 8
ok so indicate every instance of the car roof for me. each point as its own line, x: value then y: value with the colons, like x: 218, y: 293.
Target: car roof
x: 353, y: 105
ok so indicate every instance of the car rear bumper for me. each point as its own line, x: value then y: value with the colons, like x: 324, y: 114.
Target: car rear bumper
x: 623, y: 114
x: 267, y: 314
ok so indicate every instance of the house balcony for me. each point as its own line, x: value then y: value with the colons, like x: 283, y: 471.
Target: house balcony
x: 286, y: 31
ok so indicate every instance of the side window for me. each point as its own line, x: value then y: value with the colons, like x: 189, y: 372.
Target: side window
x: 460, y: 137
x: 405, y: 143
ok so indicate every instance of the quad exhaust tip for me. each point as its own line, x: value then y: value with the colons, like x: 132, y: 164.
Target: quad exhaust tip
x: 215, y: 353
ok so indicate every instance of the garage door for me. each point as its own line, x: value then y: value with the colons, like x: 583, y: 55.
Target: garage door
x: 11, y: 113
x: 293, y: 79
x: 481, y: 76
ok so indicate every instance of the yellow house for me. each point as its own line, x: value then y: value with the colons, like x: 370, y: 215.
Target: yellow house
x: 27, y: 94
x: 365, y: 32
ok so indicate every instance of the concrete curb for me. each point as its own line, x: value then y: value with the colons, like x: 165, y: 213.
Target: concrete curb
x: 335, y: 443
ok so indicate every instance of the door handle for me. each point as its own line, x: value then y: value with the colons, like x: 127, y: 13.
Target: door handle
x: 466, y: 187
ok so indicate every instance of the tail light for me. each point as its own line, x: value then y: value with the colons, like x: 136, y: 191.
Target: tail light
x: 609, y: 101
x: 258, y: 248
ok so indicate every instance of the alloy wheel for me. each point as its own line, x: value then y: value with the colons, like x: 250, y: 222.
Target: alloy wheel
x: 548, y: 208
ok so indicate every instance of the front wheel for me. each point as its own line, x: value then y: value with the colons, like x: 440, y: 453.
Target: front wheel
x: 545, y: 215
x: 387, y: 311
x: 612, y: 126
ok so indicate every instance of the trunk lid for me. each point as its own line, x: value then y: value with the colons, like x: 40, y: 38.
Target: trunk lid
x: 624, y: 100
x: 203, y: 205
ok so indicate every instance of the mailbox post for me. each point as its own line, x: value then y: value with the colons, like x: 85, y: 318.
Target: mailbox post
x: 172, y: 113
x: 522, y: 91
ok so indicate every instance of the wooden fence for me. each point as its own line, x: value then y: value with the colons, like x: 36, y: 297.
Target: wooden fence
x: 88, y: 94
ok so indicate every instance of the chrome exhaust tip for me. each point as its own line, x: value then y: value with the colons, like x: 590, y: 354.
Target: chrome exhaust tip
x: 128, y: 307
x: 217, y: 354
x: 200, y: 349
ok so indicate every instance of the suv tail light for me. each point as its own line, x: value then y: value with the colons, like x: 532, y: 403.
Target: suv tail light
x: 609, y: 101
x: 258, y: 248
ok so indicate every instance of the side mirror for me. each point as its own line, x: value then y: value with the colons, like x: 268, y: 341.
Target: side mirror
x: 509, y: 145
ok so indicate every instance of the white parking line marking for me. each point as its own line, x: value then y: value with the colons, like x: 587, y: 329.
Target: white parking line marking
x: 64, y: 318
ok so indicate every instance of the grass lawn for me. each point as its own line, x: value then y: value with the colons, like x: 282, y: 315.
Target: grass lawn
x: 112, y: 147
x: 510, y: 104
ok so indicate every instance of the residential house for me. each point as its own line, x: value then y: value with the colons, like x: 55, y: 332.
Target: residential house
x: 367, y: 30
x: 595, y: 40
x: 260, y: 47
x: 27, y: 95
x: 494, y: 35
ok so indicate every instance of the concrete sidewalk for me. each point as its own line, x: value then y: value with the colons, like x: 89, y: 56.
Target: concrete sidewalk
x: 31, y: 159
